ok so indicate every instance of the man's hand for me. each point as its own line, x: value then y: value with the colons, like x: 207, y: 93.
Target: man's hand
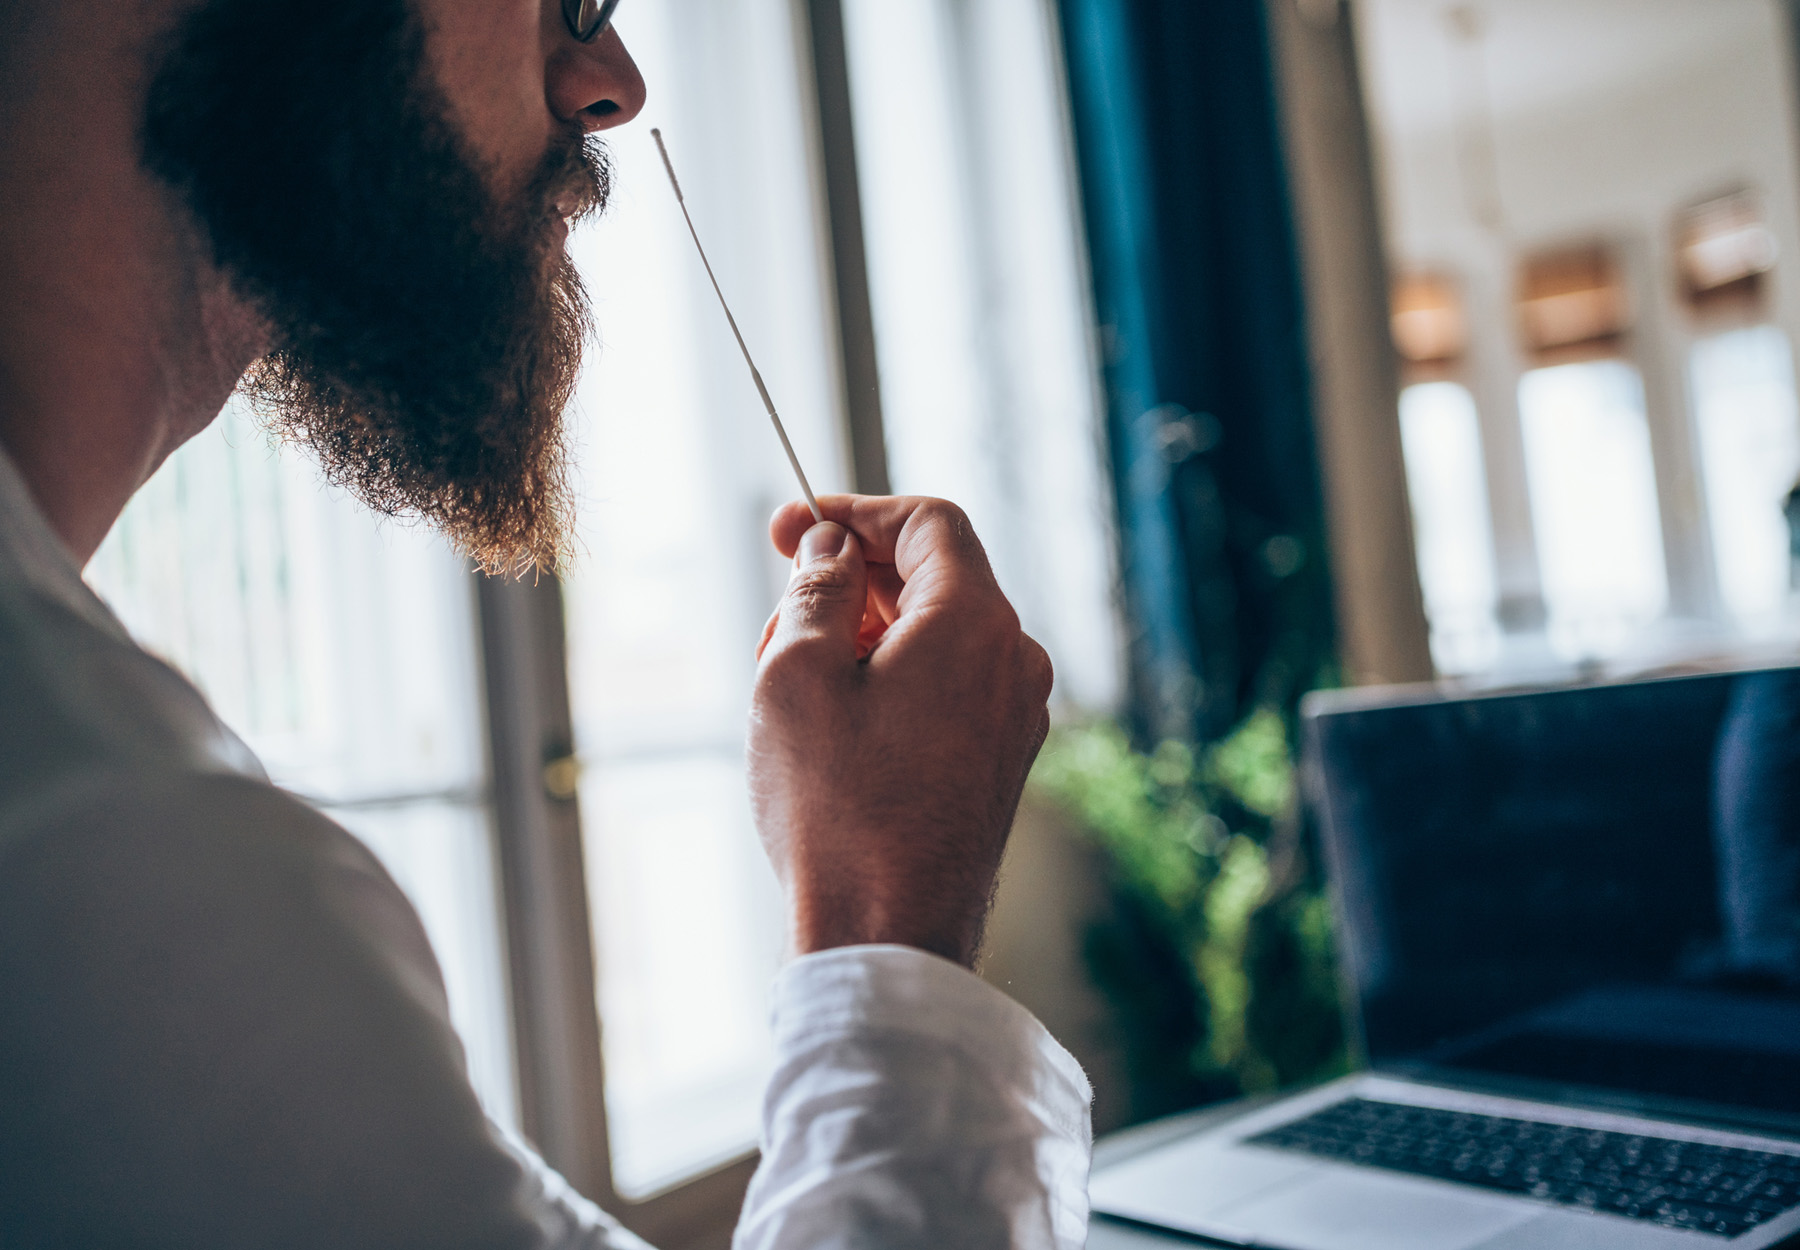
x: 898, y: 707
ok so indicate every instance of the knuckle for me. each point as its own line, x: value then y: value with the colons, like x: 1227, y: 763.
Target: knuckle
x: 943, y: 512
x: 818, y: 586
x: 790, y: 662
x: 949, y: 523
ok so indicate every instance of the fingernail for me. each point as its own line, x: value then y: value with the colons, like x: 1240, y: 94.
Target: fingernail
x: 822, y: 542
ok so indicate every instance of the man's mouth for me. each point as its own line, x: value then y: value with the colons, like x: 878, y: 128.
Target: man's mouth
x: 562, y: 213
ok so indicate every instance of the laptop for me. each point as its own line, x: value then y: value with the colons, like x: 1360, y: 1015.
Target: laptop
x: 1569, y: 931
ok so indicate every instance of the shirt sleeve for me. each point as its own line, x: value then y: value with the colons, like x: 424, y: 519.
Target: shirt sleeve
x: 913, y: 1105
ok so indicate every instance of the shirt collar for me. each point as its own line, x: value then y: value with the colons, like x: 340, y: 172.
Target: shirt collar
x: 31, y: 552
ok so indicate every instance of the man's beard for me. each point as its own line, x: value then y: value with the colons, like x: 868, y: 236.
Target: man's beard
x: 426, y: 335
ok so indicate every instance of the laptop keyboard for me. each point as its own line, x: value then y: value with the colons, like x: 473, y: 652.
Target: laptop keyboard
x: 1712, y: 1189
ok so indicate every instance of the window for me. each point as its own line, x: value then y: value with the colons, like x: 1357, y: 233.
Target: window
x: 1593, y: 497
x: 342, y: 649
x: 979, y: 298
x: 1429, y: 326
x: 1741, y: 389
x: 1441, y: 439
x: 988, y: 395
x: 1743, y: 397
x: 679, y: 474
x: 1572, y: 304
x: 1587, y: 455
x: 1725, y: 250
x: 1627, y: 340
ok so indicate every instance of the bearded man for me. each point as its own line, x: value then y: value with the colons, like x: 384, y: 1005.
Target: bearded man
x: 221, y: 1024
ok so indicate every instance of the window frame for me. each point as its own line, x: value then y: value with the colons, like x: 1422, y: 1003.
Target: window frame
x: 548, y: 928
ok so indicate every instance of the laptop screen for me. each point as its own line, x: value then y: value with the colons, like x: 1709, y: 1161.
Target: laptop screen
x: 1594, y: 886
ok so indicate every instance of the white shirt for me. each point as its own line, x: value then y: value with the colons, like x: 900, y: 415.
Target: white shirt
x: 221, y: 1023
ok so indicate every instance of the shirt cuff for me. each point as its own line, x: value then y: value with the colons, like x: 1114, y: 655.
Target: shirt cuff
x: 905, y: 990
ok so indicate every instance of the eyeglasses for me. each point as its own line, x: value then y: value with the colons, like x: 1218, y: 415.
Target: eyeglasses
x: 587, y: 18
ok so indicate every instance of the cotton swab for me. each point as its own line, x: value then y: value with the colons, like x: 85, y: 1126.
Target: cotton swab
x: 774, y: 417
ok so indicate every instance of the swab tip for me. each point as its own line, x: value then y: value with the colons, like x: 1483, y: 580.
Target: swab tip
x: 668, y: 165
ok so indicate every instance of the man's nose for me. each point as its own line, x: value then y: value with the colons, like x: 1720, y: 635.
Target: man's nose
x: 596, y: 85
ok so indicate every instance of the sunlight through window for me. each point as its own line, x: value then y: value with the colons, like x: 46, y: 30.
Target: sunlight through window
x: 678, y: 472
x: 1593, y: 500
x: 1441, y: 439
x: 341, y: 647
x: 1743, y: 391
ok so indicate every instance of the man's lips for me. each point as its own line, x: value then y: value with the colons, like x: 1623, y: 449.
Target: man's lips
x: 563, y: 215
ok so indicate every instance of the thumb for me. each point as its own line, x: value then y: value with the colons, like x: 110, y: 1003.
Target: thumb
x: 825, y: 597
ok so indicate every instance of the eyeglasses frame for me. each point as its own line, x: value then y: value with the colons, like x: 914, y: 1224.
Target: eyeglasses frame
x: 587, y: 18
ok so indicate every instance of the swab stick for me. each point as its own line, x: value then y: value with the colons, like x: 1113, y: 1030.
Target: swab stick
x: 774, y: 417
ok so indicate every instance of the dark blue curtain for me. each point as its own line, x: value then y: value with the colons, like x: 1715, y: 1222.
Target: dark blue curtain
x: 1197, y: 286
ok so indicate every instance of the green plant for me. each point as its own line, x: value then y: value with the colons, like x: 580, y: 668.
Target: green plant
x: 1217, y: 957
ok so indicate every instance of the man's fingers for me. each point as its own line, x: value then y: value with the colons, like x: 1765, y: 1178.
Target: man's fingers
x: 884, y: 592
x: 881, y: 609
x: 928, y: 543
x: 894, y: 529
x: 794, y: 518
x: 825, y: 599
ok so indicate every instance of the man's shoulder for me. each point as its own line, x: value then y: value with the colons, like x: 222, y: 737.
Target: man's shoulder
x: 219, y: 1018
x: 78, y: 696
x: 114, y: 858
x: 119, y: 810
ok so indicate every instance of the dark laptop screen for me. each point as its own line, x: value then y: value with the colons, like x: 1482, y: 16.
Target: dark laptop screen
x: 1596, y: 885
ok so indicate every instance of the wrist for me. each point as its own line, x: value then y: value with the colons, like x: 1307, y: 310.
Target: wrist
x: 824, y: 922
